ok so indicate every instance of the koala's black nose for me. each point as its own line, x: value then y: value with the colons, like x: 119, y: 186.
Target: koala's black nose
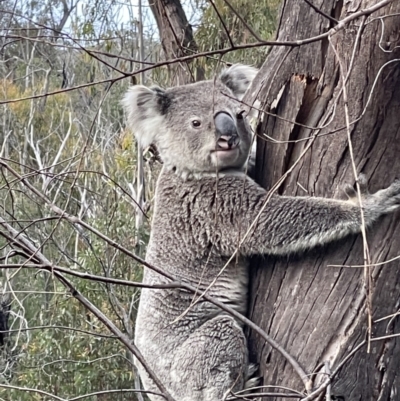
x: 225, y: 125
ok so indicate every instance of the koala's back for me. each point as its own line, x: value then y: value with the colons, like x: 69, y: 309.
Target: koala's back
x: 183, y: 243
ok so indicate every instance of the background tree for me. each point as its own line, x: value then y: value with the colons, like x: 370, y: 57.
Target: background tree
x: 177, y: 40
x: 332, y: 113
x: 5, y: 301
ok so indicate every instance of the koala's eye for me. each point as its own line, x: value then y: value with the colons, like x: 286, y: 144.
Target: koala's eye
x: 196, y: 123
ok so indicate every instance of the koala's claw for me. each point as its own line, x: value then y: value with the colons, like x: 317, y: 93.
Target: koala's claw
x: 253, y: 382
x: 350, y: 191
x: 363, y: 183
x: 252, y: 369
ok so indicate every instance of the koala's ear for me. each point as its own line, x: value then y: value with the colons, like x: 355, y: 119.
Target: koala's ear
x: 238, y: 78
x: 146, y: 109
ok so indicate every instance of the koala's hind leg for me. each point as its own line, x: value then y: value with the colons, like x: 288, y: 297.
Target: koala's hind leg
x: 211, y: 362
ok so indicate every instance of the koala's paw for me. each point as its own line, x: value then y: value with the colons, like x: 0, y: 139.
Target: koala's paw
x: 251, y: 370
x: 381, y: 202
x: 251, y: 380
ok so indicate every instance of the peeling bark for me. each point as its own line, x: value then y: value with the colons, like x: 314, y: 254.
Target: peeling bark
x: 316, y: 312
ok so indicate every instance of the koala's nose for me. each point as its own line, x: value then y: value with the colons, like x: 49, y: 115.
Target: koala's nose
x: 225, y: 125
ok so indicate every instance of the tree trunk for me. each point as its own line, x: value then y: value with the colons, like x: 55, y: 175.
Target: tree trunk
x: 5, y: 304
x: 176, y: 39
x: 5, y: 349
x: 319, y: 313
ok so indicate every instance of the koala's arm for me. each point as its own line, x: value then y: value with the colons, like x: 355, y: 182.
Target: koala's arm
x: 285, y: 225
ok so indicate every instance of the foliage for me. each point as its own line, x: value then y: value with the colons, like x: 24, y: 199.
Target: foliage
x: 59, y: 360
x: 259, y: 16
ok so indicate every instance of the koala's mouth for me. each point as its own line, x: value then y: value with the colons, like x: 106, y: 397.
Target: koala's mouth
x: 226, y: 151
x: 227, y: 143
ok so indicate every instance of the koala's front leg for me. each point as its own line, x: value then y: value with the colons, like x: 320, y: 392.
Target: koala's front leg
x: 292, y: 224
x: 211, y: 362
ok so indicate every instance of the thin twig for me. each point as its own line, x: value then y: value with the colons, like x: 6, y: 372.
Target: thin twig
x: 370, y: 265
x: 87, y: 276
x: 221, y: 20
x: 91, y: 333
x: 247, y: 26
x: 113, y: 391
x: 32, y: 390
x: 296, y: 43
x: 319, y: 11
x: 367, y: 258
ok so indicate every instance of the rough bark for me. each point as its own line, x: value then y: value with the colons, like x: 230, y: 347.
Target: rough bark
x: 316, y: 312
x: 176, y: 39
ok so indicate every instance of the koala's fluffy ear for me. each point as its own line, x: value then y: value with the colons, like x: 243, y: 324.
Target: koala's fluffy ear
x: 238, y: 78
x: 145, y: 109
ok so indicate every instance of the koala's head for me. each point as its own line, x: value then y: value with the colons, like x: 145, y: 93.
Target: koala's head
x: 197, y: 128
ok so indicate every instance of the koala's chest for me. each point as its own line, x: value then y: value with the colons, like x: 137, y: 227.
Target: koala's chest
x: 190, y: 228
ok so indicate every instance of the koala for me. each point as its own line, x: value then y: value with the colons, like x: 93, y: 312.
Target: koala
x: 206, y: 210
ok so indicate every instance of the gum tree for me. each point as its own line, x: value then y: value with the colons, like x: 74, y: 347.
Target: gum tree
x: 331, y: 112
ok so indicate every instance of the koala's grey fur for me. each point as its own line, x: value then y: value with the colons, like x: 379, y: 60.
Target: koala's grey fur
x: 205, y: 209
